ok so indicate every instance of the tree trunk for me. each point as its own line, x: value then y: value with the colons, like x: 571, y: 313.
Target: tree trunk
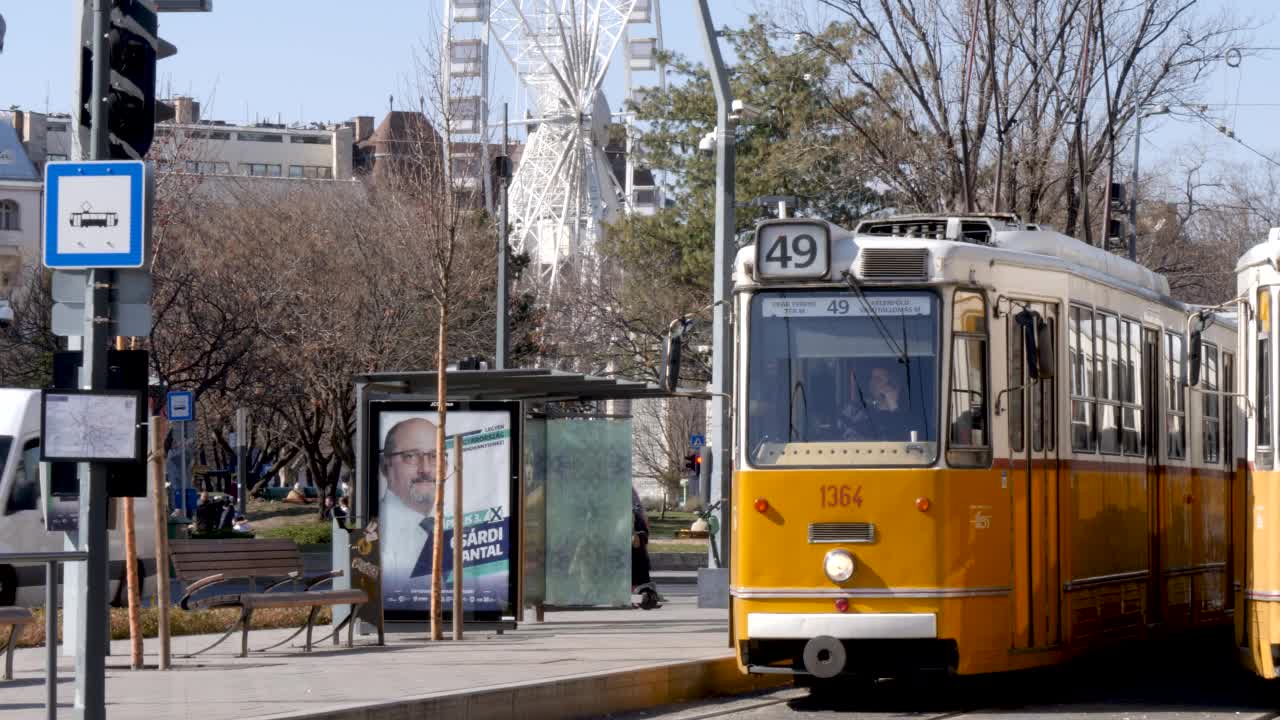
x: 437, y: 537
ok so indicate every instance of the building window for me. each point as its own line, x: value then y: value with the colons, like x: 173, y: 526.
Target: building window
x: 9, y: 218
x: 970, y: 441
x: 259, y: 137
x: 1080, y: 349
x: 208, y: 167
x: 1211, y: 429
x: 56, y: 127
x: 311, y: 172
x: 260, y: 169
x: 311, y: 139
x: 1176, y: 419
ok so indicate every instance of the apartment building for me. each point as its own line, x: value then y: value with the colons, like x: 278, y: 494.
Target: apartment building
x: 21, y: 192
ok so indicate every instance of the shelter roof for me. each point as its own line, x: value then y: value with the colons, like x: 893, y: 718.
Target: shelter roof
x: 523, y: 384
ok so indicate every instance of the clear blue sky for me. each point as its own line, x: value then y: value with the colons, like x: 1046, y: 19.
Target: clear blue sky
x: 327, y: 60
x: 308, y: 60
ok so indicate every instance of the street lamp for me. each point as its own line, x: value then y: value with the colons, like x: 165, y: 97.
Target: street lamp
x: 1143, y: 111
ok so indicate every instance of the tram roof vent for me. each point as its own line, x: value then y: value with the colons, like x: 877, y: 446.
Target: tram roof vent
x: 896, y: 264
x: 978, y: 229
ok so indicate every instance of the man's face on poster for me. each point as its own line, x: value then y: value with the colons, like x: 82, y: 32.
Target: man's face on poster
x: 409, y: 464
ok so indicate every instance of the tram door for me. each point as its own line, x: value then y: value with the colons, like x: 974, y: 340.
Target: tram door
x: 1033, y: 445
x: 1152, y: 432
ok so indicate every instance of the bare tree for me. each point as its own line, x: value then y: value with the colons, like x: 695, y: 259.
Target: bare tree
x: 662, y: 430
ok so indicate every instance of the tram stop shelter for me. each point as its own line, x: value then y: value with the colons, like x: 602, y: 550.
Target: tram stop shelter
x: 546, y: 493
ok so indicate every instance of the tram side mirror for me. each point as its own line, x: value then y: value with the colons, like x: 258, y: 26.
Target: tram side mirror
x: 1196, y: 351
x: 672, y: 345
x: 1037, y: 347
x: 1045, y: 360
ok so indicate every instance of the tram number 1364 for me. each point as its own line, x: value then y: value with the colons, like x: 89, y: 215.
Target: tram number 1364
x: 840, y: 495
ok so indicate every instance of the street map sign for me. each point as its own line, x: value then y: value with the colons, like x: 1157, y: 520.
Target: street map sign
x: 90, y: 426
x: 181, y: 406
x: 95, y: 214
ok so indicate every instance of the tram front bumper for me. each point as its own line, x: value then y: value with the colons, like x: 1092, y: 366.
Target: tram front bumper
x: 857, y: 626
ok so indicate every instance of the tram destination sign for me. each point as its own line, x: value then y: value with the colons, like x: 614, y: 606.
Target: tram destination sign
x: 846, y: 305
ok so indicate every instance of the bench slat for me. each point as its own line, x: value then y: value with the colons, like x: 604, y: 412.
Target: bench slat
x: 233, y: 570
x: 207, y: 558
x: 235, y: 555
x: 178, y: 545
x: 16, y: 616
x: 303, y: 599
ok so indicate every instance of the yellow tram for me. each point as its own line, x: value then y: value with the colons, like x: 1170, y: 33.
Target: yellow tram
x: 968, y: 443
x: 1258, y: 534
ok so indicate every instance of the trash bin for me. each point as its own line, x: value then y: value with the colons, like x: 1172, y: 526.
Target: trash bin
x: 177, y: 528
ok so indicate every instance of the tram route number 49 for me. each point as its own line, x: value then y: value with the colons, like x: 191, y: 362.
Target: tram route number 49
x: 840, y: 495
x: 793, y: 249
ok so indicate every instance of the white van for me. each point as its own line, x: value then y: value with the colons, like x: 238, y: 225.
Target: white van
x: 22, y: 527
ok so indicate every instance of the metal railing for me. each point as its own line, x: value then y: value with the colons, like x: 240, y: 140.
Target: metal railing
x: 51, y: 561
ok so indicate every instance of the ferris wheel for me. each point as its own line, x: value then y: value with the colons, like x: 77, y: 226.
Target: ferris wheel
x: 565, y: 189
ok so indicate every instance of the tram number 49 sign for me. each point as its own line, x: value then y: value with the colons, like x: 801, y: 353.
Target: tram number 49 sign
x: 840, y: 495
x: 793, y: 249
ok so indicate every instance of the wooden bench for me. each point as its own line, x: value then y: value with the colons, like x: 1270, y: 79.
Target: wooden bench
x: 15, y: 618
x: 204, y: 564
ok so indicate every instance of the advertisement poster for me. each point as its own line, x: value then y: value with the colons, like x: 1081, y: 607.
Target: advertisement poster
x: 406, y: 508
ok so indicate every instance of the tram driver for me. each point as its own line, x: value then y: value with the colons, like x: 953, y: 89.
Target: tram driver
x: 878, y: 411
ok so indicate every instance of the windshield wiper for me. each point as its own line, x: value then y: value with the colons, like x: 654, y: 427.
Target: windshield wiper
x: 881, y: 328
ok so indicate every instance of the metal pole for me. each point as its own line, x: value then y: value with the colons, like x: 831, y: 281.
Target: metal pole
x: 162, y: 537
x: 459, y: 532
x: 503, y: 346
x: 722, y: 335
x: 50, y: 639
x: 242, y: 429
x: 90, y: 698
x: 1133, y: 194
x: 182, y: 472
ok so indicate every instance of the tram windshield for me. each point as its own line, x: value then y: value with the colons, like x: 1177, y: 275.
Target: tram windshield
x: 836, y: 379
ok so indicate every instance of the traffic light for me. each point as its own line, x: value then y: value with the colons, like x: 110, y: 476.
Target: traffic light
x: 691, y: 462
x: 134, y: 47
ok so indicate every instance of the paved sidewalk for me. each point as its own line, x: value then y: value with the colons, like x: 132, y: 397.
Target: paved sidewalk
x: 566, y: 663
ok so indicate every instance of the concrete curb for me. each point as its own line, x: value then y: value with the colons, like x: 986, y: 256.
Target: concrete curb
x: 577, y: 696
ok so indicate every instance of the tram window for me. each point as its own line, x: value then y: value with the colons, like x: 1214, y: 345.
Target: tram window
x: 968, y: 401
x: 1080, y: 349
x: 1131, y: 396
x: 1211, y: 429
x: 1228, y: 409
x: 1017, y: 421
x: 1264, y: 400
x: 860, y: 377
x: 1107, y: 360
x: 1043, y: 423
x: 1176, y: 417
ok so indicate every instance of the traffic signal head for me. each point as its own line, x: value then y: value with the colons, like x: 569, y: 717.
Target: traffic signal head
x: 691, y: 461
x: 134, y: 47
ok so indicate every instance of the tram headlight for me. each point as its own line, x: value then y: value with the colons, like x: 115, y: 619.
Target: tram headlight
x: 838, y: 565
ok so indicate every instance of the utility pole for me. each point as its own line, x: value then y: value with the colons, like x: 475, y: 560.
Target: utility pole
x: 503, y: 165
x: 721, y: 429
x: 91, y: 697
